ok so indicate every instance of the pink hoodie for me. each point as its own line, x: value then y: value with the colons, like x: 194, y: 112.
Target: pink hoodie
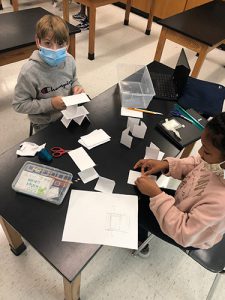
x: 196, y: 215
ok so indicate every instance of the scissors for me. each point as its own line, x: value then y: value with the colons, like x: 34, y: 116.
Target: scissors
x: 58, y: 151
x: 176, y: 113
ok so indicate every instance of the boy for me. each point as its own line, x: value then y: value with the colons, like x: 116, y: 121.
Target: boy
x: 49, y: 74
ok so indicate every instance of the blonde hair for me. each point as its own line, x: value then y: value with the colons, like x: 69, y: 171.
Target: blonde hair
x: 50, y: 24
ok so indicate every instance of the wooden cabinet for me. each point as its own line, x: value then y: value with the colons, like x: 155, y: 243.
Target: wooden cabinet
x: 193, y: 3
x: 166, y: 8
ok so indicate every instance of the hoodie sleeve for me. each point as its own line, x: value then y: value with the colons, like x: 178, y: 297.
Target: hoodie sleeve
x: 191, y: 228
x: 179, y: 168
x: 25, y: 97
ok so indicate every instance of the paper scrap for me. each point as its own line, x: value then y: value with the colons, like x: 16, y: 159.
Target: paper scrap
x: 88, y: 175
x: 81, y: 158
x: 105, y: 185
x: 126, y: 139
x: 29, y: 149
x: 75, y: 99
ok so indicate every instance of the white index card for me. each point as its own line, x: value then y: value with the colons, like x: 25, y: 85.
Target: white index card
x: 65, y: 121
x: 126, y: 139
x: 131, y: 113
x: 81, y: 158
x: 105, y: 185
x: 131, y: 122
x: 152, y: 153
x: 79, y: 120
x: 133, y: 175
x: 152, y: 145
x: 75, y: 99
x: 139, y: 130
x: 81, y: 111
x: 88, y: 175
x: 70, y: 112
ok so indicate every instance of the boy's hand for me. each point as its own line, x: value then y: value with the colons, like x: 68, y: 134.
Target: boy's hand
x: 151, y: 166
x: 147, y: 186
x: 57, y: 103
x: 78, y: 89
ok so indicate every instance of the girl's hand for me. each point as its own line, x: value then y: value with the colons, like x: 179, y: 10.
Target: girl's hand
x: 78, y: 90
x: 151, y: 166
x: 57, y: 103
x: 148, y: 186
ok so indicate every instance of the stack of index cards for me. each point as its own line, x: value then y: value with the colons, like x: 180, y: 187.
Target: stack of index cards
x: 73, y: 111
x: 95, y: 138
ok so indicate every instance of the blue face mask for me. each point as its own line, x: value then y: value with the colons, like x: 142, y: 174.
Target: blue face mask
x: 53, y: 57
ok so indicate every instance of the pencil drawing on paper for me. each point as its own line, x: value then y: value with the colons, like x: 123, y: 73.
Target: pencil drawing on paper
x: 117, y: 222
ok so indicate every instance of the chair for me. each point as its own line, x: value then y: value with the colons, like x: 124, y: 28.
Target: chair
x: 212, y: 259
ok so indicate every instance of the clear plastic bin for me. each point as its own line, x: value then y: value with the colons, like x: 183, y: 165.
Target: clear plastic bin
x: 136, y: 88
x: 43, y: 182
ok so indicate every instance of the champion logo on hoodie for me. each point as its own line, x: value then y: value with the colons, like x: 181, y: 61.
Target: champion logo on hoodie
x: 49, y: 89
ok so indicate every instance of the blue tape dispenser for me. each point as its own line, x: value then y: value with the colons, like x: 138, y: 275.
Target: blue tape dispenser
x: 44, y: 155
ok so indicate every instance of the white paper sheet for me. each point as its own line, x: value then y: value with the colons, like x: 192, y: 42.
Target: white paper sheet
x: 88, y: 175
x: 153, y: 152
x: 70, y: 112
x: 131, y: 122
x: 126, y: 139
x: 66, y: 122
x: 102, y: 218
x: 105, y: 185
x: 75, y: 99
x: 139, y: 130
x: 79, y: 120
x: 131, y: 113
x: 81, y: 158
x: 133, y: 175
x: 95, y: 138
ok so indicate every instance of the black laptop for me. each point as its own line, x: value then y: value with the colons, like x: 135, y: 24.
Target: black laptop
x: 171, y: 86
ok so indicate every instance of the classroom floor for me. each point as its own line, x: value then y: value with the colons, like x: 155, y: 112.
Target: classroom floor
x: 113, y: 273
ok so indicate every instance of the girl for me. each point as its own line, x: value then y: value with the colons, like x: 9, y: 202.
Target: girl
x: 195, y: 216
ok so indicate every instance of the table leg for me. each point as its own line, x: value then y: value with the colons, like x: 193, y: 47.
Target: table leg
x: 16, y: 243
x: 1, y: 7
x: 150, y: 19
x: 92, y: 20
x: 72, y: 46
x: 199, y: 62
x: 127, y: 13
x: 65, y: 4
x: 161, y: 44
x: 72, y: 289
x: 15, y: 5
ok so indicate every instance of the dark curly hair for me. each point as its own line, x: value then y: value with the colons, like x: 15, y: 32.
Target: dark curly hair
x: 217, y: 129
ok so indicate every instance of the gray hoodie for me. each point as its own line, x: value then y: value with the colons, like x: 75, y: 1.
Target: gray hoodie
x: 38, y: 83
